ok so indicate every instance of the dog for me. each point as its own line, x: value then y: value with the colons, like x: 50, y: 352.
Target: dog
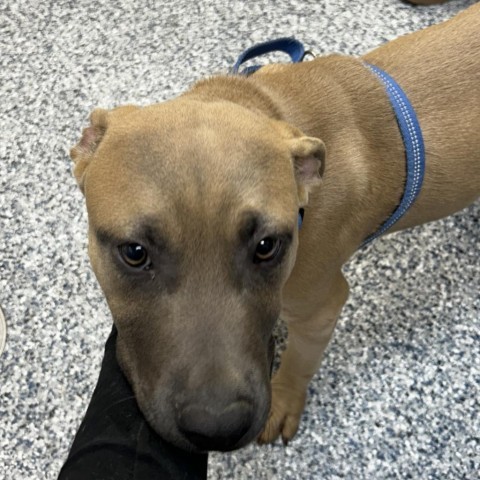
x: 193, y: 220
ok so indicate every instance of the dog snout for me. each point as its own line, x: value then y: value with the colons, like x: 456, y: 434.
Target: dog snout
x: 215, y: 428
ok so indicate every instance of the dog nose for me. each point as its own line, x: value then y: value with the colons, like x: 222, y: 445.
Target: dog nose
x: 215, y: 430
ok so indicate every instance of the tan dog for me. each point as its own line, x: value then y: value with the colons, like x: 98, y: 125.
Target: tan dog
x: 193, y: 229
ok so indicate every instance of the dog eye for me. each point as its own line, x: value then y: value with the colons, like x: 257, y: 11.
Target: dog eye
x: 267, y: 249
x: 134, y: 255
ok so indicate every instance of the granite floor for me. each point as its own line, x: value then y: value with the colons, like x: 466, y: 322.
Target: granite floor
x: 398, y: 394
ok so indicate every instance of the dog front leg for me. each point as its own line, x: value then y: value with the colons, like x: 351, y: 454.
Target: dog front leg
x: 307, y: 339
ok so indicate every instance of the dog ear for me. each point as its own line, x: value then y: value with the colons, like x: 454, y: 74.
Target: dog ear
x: 309, y: 163
x: 82, y: 153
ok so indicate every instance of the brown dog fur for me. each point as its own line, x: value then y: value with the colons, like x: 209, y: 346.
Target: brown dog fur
x: 199, y: 178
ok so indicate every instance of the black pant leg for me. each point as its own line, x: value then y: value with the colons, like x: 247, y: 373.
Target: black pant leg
x: 115, y: 442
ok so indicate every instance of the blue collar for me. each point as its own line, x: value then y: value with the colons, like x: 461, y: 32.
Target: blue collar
x: 404, y: 112
x: 414, y: 148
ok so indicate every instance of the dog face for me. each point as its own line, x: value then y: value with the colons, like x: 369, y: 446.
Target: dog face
x: 192, y: 234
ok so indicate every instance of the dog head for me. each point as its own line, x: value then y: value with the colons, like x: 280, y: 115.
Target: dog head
x: 192, y: 234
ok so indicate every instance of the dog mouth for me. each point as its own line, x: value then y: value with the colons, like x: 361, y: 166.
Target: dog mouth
x: 250, y: 430
x: 200, y: 430
x: 201, y: 427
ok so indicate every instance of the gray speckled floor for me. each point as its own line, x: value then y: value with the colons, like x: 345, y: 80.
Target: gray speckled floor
x: 398, y: 394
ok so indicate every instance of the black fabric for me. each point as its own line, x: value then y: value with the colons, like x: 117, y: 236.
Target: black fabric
x: 114, y: 440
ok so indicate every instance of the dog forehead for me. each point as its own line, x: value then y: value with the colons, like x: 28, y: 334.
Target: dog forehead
x: 193, y: 161
x: 167, y: 137
x: 184, y: 126
x: 180, y: 143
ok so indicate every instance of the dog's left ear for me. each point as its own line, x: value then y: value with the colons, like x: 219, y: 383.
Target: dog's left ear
x: 83, y: 152
x: 308, y: 155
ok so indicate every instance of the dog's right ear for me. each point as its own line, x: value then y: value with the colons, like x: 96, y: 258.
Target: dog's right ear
x: 309, y: 163
x: 82, y: 153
